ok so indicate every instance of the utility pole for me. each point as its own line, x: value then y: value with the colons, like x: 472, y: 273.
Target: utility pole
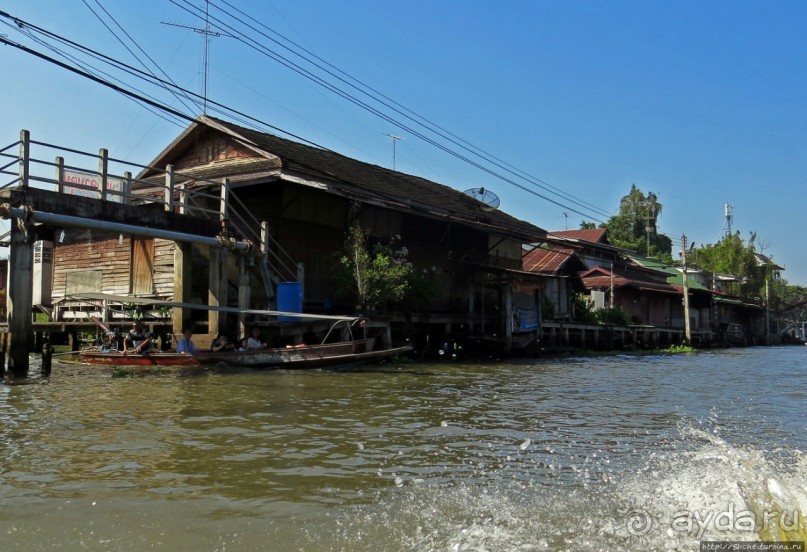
x: 394, y: 141
x: 612, y: 285
x: 687, y: 329
x: 651, y: 217
x: 767, y: 311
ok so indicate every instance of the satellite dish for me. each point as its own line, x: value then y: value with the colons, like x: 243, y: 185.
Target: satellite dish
x: 488, y: 199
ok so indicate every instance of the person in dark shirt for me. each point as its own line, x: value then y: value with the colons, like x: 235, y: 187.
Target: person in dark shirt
x: 137, y: 340
x: 221, y: 343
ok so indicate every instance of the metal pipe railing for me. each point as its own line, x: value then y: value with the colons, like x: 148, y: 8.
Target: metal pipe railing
x: 69, y: 221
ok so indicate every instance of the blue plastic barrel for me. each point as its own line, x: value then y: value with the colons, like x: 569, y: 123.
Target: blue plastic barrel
x: 289, y: 299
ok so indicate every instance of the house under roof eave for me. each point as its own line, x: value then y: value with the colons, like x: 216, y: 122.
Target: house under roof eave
x: 275, y: 158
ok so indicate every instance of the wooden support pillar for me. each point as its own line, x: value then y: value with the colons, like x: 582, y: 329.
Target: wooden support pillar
x: 126, y: 191
x: 225, y: 199
x: 471, y: 297
x: 183, y: 198
x: 244, y: 292
x: 508, y: 313
x: 59, y: 174
x: 39, y: 341
x: 72, y: 339
x: 181, y: 318
x: 169, y: 189
x: 103, y: 173
x: 3, y: 349
x: 217, y: 290
x: 20, y: 296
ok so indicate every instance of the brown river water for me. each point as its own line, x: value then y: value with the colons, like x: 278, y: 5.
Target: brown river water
x: 608, y: 453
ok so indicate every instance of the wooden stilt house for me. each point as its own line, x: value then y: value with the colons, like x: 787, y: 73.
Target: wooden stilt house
x: 296, y: 203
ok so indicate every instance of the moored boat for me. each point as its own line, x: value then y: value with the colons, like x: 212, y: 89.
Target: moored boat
x: 293, y: 357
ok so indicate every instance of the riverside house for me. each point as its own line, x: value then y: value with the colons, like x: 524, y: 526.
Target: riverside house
x: 303, y: 199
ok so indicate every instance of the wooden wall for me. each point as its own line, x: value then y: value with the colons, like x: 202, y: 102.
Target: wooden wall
x: 212, y: 149
x: 102, y: 262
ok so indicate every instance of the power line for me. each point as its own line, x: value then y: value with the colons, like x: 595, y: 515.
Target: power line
x: 133, y: 71
x: 90, y: 68
x: 123, y: 30
x: 423, y: 121
x: 318, y: 80
x: 263, y: 49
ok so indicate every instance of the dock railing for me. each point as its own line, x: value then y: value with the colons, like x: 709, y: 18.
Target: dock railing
x: 110, y: 179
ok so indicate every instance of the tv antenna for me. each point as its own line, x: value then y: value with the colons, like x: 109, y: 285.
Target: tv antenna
x: 394, y: 141
x: 488, y: 199
x: 566, y: 219
x: 206, y: 35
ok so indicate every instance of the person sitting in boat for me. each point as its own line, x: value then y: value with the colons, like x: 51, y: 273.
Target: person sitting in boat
x: 109, y: 343
x: 137, y: 340
x: 254, y: 341
x: 244, y: 345
x: 220, y: 344
x: 185, y: 345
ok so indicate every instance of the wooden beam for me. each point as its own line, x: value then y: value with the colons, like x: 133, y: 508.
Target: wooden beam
x: 244, y: 292
x: 217, y: 290
x: 20, y: 296
x: 182, y: 285
x: 103, y: 172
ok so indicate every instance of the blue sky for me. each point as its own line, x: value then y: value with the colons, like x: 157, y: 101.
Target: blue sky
x: 703, y: 102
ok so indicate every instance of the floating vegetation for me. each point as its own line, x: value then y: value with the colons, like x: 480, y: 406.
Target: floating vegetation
x: 677, y: 349
x: 120, y: 373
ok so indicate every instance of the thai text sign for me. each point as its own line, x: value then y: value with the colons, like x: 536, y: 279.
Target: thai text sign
x: 85, y: 184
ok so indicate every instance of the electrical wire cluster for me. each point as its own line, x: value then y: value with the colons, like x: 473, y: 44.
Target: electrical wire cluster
x: 143, y: 85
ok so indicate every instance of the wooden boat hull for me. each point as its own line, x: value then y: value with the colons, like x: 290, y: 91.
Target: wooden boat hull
x: 312, y: 356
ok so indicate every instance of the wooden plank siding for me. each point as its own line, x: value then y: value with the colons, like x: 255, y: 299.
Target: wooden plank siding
x: 107, y: 254
x: 215, y: 147
x: 142, y: 266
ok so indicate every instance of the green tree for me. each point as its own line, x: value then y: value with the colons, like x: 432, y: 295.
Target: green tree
x: 373, y: 275
x: 732, y: 255
x: 635, y: 226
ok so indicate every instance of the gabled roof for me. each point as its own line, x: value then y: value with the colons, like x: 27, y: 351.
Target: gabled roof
x: 764, y: 260
x: 341, y: 175
x: 600, y: 277
x: 549, y: 261
x: 593, y: 235
x: 674, y: 275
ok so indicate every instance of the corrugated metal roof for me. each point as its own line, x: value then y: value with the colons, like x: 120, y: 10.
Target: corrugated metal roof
x: 593, y: 235
x: 546, y: 261
x: 359, y: 179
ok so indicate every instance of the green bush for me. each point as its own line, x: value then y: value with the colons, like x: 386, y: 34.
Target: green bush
x: 613, y: 316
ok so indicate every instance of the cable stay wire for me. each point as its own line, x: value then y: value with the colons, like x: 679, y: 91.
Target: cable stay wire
x: 292, y: 66
x: 152, y: 102
x: 318, y: 80
x: 142, y: 63
x: 257, y: 48
x: 99, y: 80
x: 134, y: 71
x: 396, y: 107
x: 90, y: 69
